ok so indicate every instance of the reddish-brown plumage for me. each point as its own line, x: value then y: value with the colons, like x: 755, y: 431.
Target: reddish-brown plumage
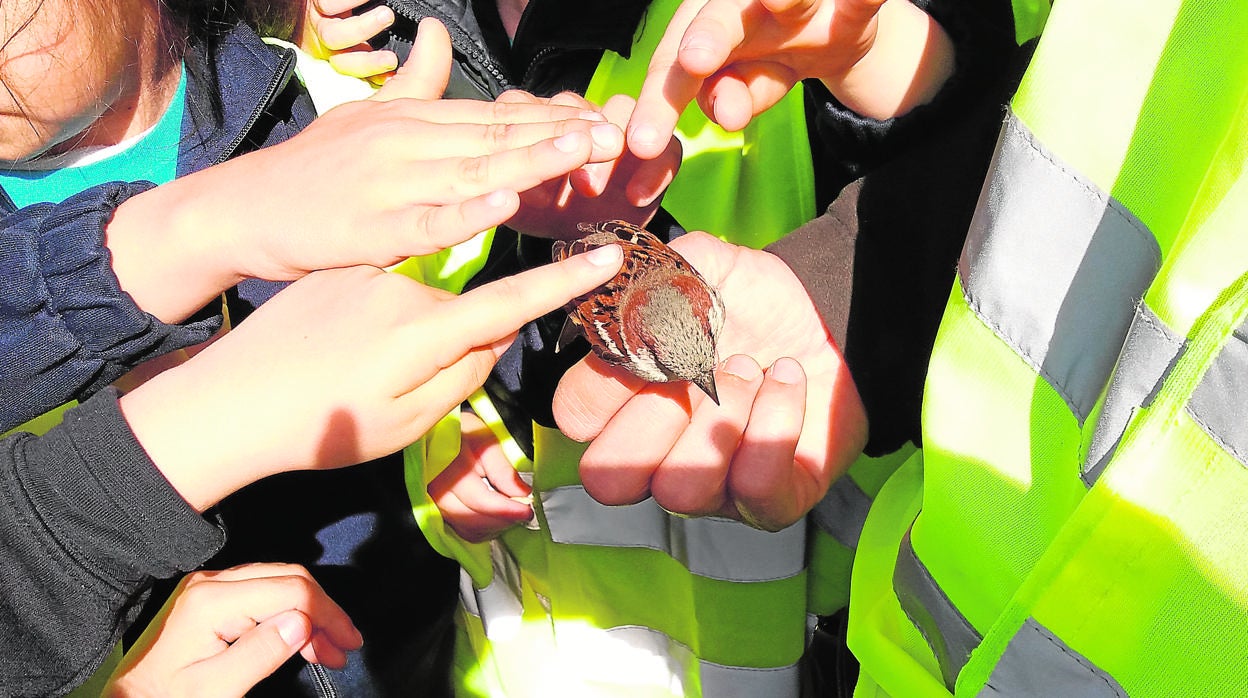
x: 658, y: 317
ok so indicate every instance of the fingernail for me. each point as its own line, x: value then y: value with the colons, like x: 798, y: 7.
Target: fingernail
x: 697, y: 41
x: 497, y: 199
x: 381, y: 16
x: 787, y: 371
x: 606, y: 136
x: 645, y: 135
x: 742, y: 367
x: 605, y: 256
x: 293, y: 630
x: 570, y: 142
x: 593, y: 116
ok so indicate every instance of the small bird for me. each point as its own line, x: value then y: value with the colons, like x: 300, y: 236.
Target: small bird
x: 658, y: 317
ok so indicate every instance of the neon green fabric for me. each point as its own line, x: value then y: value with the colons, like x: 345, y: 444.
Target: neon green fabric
x: 1152, y: 547
x: 1029, y: 18
x: 1139, y: 575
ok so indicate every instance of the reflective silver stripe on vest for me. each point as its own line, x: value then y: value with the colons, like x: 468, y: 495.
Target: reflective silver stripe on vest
x: 951, y: 636
x: 1054, y: 266
x: 1220, y: 402
x: 710, y: 546
x: 748, y: 682
x: 1148, y: 354
x: 843, y: 511
x: 498, y: 605
x: 1037, y: 663
x: 713, y: 547
x: 717, y: 679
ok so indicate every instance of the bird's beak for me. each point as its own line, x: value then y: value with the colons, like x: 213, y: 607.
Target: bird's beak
x: 707, y: 384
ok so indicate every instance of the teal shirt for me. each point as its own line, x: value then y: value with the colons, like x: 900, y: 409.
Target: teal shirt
x: 153, y: 158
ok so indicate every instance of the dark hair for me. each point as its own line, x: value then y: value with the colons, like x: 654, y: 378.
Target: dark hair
x: 204, y: 22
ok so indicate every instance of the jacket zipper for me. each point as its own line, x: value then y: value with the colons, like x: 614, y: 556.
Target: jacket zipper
x: 279, y: 81
x: 536, y: 60
x: 320, y: 678
x: 461, y: 41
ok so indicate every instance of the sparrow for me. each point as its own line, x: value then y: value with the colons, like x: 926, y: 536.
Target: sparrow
x: 658, y: 317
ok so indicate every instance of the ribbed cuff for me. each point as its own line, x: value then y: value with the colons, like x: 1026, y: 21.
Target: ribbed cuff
x: 111, y: 507
x: 85, y: 294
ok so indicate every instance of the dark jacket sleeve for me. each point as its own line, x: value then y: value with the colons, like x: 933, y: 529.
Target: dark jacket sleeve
x: 87, y: 523
x: 846, y: 146
x: 879, y: 263
x: 66, y: 327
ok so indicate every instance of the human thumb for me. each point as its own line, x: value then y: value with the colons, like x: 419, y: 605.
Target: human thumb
x: 254, y: 655
x: 427, y: 70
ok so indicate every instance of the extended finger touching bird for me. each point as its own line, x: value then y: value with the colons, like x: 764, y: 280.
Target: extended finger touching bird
x: 658, y: 317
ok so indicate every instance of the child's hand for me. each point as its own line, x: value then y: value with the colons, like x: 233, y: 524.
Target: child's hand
x: 370, y: 182
x: 480, y: 494
x: 329, y: 30
x: 343, y: 366
x: 769, y: 450
x: 626, y: 188
x: 738, y: 58
x: 222, y: 632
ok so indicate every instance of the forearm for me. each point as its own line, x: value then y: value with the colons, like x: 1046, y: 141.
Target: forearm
x: 87, y: 524
x: 908, y: 64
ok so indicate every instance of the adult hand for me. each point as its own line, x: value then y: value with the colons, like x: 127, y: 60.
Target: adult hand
x: 222, y: 632
x: 779, y: 436
x: 343, y: 366
x: 330, y: 30
x: 480, y: 494
x: 370, y: 182
x: 626, y: 188
x: 740, y: 57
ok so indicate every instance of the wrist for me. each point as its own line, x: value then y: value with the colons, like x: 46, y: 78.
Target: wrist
x: 908, y: 63
x: 178, y: 420
x: 170, y: 251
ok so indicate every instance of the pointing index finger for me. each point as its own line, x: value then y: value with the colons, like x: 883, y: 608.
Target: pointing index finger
x: 666, y: 91
x: 500, y: 308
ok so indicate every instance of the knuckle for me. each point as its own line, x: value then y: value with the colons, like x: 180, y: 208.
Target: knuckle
x: 516, y: 97
x: 291, y: 569
x: 504, y: 111
x: 499, y: 135
x: 296, y: 587
x: 473, y: 172
x: 197, y: 595
x: 569, y: 99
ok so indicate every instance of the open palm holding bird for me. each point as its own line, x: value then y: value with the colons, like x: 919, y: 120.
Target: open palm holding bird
x: 658, y: 317
x: 789, y: 420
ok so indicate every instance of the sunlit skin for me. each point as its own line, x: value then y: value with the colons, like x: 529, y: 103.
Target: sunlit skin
x: 77, y: 75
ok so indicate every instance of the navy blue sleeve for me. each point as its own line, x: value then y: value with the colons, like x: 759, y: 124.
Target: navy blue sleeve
x: 66, y: 327
x: 87, y: 524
